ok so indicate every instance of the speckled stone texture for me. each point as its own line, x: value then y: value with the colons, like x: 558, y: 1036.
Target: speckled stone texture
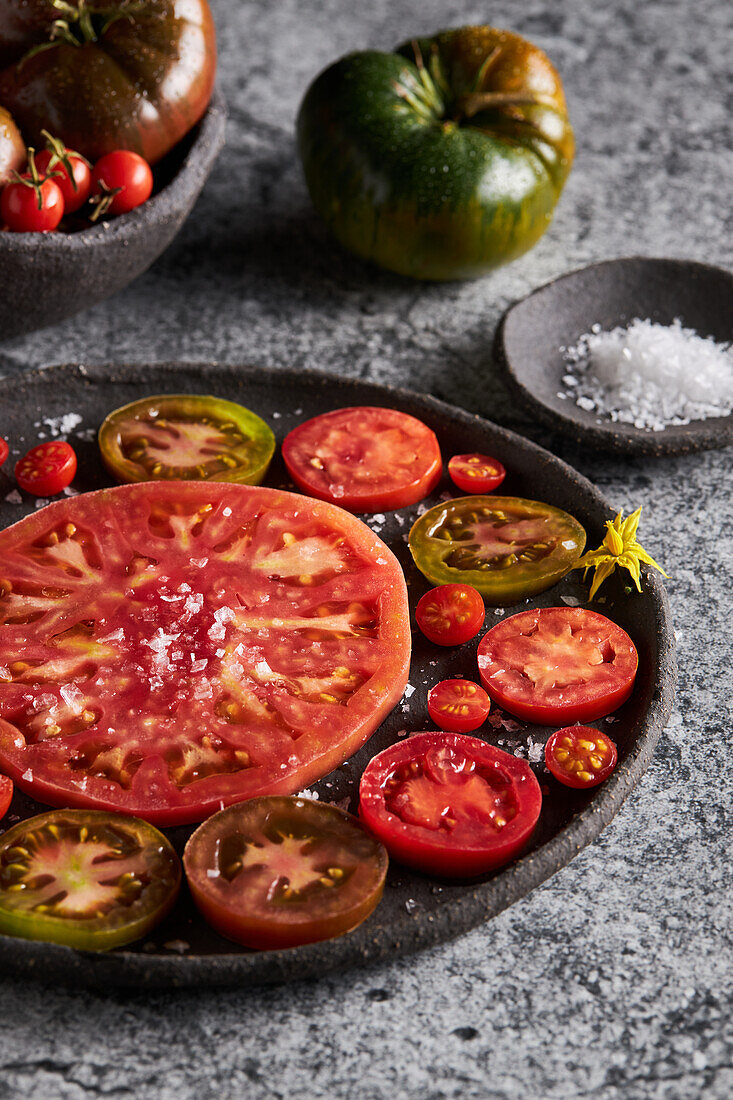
x: 614, y: 979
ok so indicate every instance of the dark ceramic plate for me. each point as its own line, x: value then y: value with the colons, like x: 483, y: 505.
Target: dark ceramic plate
x: 416, y: 911
x: 530, y: 337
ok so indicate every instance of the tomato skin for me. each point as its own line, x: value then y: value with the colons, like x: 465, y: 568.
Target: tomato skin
x: 127, y: 171
x: 473, y: 845
x: 569, y: 748
x: 254, y: 911
x: 563, y: 641
x: 6, y: 794
x: 476, y: 473
x: 450, y: 614
x: 75, y: 191
x: 47, y: 468
x: 19, y: 206
x: 4, y: 451
x: 458, y: 706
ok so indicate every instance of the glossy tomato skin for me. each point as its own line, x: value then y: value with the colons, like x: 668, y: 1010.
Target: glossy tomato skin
x: 6, y: 794
x: 4, y: 451
x: 104, y: 880
x: 450, y: 614
x: 75, y: 188
x: 128, y: 174
x: 405, y: 175
x: 365, y: 458
x: 505, y: 547
x: 580, y: 756
x: 47, y: 468
x: 213, y: 440
x: 141, y: 84
x: 558, y: 665
x: 274, y: 873
x: 31, y: 209
x: 459, y: 706
x: 450, y: 805
x: 476, y: 473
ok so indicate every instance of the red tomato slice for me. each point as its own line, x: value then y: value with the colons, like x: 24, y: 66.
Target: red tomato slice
x: 47, y: 468
x: 558, y: 665
x: 169, y: 647
x: 365, y: 459
x: 476, y: 473
x: 450, y: 805
x: 450, y: 614
x: 580, y: 756
x: 4, y: 451
x: 6, y: 794
x: 458, y: 705
x: 278, y: 872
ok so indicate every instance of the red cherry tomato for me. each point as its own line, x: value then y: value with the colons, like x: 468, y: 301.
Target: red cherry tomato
x: 449, y: 804
x: 450, y: 614
x: 74, y: 188
x: 28, y: 206
x: 47, y: 468
x: 6, y: 794
x: 4, y: 451
x: 128, y: 172
x: 476, y: 473
x: 580, y: 756
x: 458, y: 705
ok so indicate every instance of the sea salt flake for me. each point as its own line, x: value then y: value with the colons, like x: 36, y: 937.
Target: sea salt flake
x: 27, y: 775
x: 62, y: 425
x: 14, y: 497
x: 571, y: 601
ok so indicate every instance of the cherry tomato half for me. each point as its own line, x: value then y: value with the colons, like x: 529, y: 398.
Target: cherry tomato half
x: 85, y: 878
x: 450, y: 614
x: 450, y: 805
x: 28, y: 206
x: 505, y: 547
x: 476, y: 473
x: 557, y: 665
x: 47, y: 468
x: 277, y: 872
x: 364, y: 458
x: 4, y: 451
x: 458, y: 705
x: 6, y: 794
x: 580, y: 756
x: 127, y: 171
x: 75, y: 188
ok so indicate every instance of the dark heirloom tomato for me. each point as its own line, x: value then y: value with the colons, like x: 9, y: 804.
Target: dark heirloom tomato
x: 557, y: 665
x: 186, y: 437
x: 505, y: 547
x: 580, y: 756
x: 450, y: 614
x: 86, y: 879
x: 6, y: 794
x: 167, y: 648
x: 365, y: 458
x: 458, y: 705
x: 277, y: 872
x: 441, y: 160
x: 476, y: 473
x: 139, y: 80
x: 450, y: 805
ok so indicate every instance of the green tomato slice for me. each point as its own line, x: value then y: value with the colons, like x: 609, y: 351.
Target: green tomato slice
x: 186, y: 437
x: 85, y: 878
x: 505, y: 547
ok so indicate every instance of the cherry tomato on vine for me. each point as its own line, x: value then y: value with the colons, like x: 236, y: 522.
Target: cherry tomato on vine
x: 47, y: 468
x: 121, y: 181
x: 4, y: 451
x: 458, y: 705
x: 580, y: 756
x: 74, y: 187
x: 6, y: 794
x: 476, y: 473
x: 31, y: 206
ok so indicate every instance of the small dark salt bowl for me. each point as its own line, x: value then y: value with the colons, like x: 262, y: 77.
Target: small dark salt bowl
x: 46, y: 277
x: 533, y: 333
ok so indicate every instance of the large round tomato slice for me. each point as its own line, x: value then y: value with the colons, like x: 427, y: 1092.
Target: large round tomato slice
x: 186, y: 437
x: 506, y: 547
x: 558, y: 665
x: 85, y: 879
x: 277, y: 872
x: 450, y: 805
x: 170, y: 647
x: 366, y: 459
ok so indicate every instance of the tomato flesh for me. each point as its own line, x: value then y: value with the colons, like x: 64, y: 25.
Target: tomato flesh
x: 458, y: 705
x: 364, y: 458
x: 6, y: 794
x: 476, y: 473
x: 450, y: 805
x: 505, y: 547
x: 47, y: 468
x: 558, y: 665
x: 86, y: 879
x: 450, y: 614
x: 168, y: 647
x: 580, y: 756
x: 186, y: 437
x: 278, y: 872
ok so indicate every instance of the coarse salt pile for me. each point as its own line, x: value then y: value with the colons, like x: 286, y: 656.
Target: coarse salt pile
x: 650, y: 375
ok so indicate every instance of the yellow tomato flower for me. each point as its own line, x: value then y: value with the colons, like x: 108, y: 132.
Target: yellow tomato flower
x: 619, y: 548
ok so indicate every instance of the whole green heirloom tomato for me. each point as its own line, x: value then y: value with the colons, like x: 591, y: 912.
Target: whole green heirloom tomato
x: 441, y: 160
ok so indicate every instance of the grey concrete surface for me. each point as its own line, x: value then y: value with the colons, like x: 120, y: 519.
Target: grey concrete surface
x: 614, y: 979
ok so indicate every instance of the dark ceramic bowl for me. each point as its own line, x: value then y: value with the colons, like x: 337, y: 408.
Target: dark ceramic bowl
x: 47, y: 277
x: 533, y: 332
